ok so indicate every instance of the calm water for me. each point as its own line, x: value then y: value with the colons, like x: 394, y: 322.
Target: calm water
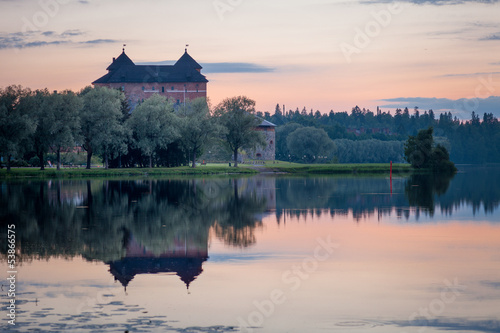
x: 260, y: 254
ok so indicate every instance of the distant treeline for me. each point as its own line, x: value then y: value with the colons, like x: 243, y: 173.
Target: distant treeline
x: 379, y: 136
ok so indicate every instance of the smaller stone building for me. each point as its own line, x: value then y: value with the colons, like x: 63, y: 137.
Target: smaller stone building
x: 267, y: 153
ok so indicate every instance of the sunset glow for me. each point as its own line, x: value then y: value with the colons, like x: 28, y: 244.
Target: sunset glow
x: 323, y: 54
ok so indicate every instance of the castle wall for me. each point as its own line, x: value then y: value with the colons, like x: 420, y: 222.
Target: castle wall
x: 138, y: 92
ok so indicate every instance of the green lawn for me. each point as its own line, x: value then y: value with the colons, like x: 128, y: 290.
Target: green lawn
x: 209, y: 169
x: 365, y: 168
x: 101, y: 172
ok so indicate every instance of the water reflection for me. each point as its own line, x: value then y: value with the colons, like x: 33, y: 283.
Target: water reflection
x: 231, y: 240
x: 163, y: 226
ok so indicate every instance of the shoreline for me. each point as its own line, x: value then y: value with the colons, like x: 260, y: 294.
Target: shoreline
x: 282, y: 168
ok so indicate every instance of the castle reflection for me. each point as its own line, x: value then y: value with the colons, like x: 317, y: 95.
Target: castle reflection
x: 152, y: 226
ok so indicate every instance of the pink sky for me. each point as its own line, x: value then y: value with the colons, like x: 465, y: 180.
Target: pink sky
x: 321, y: 54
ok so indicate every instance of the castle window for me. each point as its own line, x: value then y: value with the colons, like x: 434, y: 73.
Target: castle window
x: 142, y: 88
x: 271, y: 142
x: 152, y: 88
x: 172, y: 87
x: 162, y: 89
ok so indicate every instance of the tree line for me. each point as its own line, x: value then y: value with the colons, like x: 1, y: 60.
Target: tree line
x: 98, y: 119
x: 159, y: 133
x: 366, y: 136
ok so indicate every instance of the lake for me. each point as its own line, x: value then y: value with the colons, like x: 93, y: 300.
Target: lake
x: 254, y: 254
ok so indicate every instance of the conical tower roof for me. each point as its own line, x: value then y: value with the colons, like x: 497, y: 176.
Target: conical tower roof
x: 122, y: 60
x: 187, y: 61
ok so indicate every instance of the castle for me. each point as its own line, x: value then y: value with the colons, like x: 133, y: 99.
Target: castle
x: 179, y: 82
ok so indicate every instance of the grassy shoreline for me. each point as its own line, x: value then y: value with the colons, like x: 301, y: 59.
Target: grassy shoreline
x: 375, y: 168
x: 211, y: 169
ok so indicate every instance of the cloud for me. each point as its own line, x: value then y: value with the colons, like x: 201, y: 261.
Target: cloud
x: 435, y: 2
x: 469, y: 74
x: 72, y: 33
x: 491, y: 37
x: 222, y: 67
x: 491, y: 284
x: 235, y: 67
x: 44, y: 43
x: 99, y: 41
x: 462, y: 108
x: 18, y: 40
x: 453, y: 324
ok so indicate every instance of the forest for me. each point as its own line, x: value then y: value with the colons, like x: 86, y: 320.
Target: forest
x: 97, y: 124
x: 364, y: 136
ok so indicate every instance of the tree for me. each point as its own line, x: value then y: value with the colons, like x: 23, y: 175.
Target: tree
x: 421, y: 153
x: 418, y: 149
x: 154, y: 125
x: 237, y: 117
x: 16, y: 123
x: 368, y: 151
x: 282, y: 133
x: 57, y: 117
x: 67, y: 107
x: 197, y: 127
x: 441, y: 160
x: 101, y: 122
x: 36, y: 103
x: 309, y: 143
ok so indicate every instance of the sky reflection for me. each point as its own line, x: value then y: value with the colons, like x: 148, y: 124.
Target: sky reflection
x: 274, y: 254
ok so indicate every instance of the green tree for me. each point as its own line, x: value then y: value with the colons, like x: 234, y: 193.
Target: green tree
x: 102, y: 126
x: 421, y: 153
x: 282, y: 133
x: 154, y: 125
x: 418, y: 149
x: 67, y: 107
x: 58, y: 123
x: 441, y: 160
x: 237, y: 116
x: 37, y: 103
x: 309, y: 143
x: 16, y: 123
x: 197, y: 127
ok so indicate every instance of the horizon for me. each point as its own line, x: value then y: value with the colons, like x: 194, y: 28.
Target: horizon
x: 323, y: 55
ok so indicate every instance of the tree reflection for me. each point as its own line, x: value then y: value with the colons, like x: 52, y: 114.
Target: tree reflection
x: 422, y: 189
x: 111, y: 221
x: 163, y: 225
